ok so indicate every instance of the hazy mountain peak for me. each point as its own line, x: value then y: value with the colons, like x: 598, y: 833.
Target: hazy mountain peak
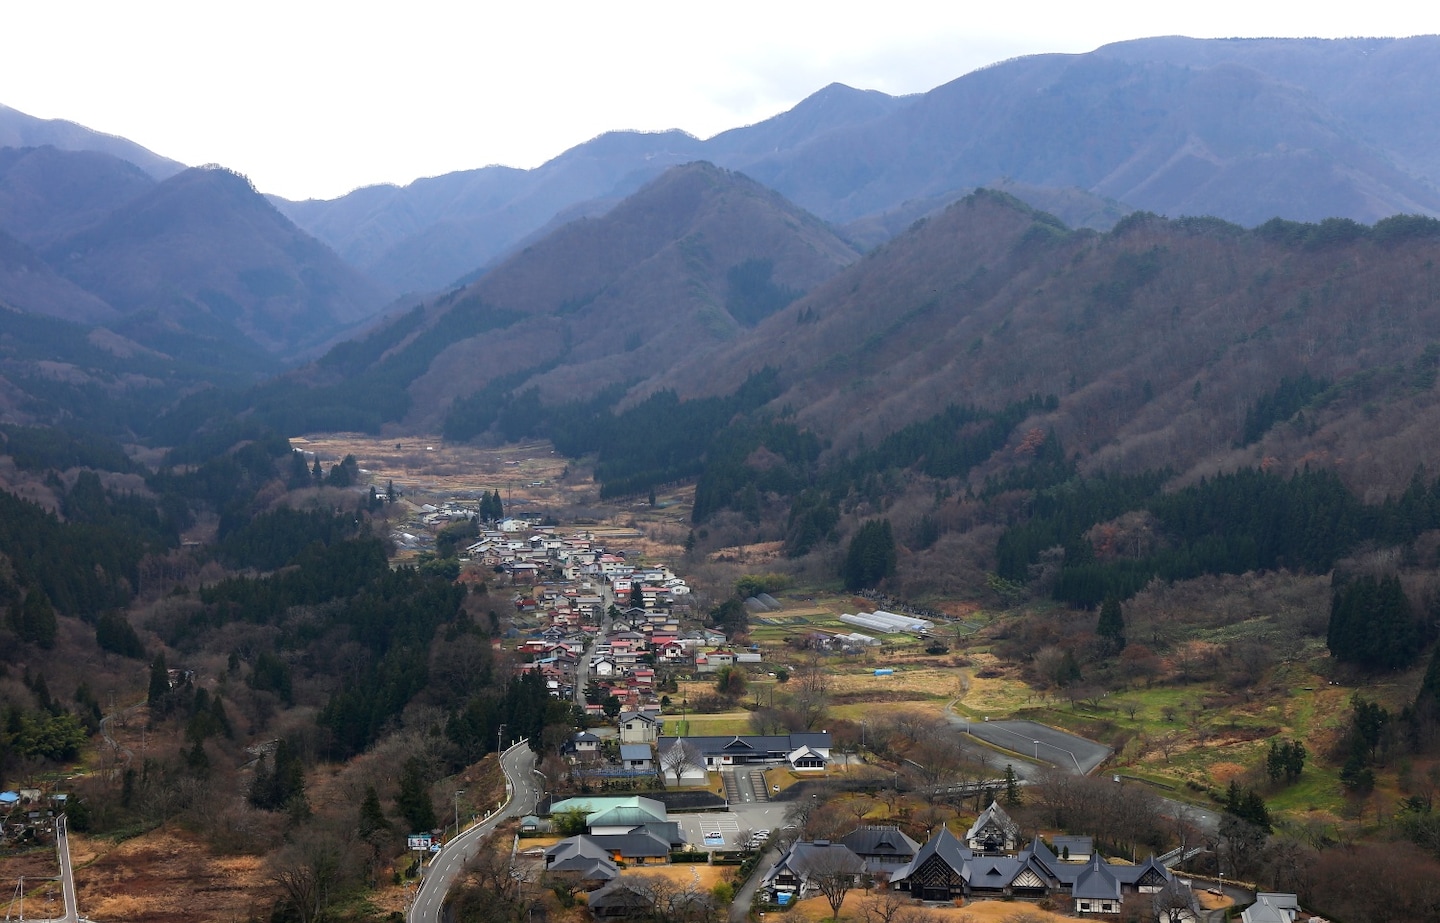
x: 20, y: 130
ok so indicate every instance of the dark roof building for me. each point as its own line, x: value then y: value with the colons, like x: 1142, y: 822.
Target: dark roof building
x: 741, y: 749
x: 884, y: 849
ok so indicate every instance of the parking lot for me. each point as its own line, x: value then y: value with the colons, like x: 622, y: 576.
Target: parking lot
x: 746, y: 819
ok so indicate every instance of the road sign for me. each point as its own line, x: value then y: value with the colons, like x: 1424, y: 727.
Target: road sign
x: 418, y: 841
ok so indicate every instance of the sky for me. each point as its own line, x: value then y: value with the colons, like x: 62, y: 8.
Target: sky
x: 314, y: 98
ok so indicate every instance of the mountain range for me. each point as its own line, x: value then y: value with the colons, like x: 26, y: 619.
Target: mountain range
x: 1244, y: 130
x: 648, y: 262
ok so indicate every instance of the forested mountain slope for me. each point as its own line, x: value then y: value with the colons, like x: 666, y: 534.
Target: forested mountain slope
x: 693, y: 259
x: 1156, y: 338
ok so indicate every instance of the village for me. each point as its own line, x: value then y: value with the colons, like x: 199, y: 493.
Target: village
x: 636, y: 793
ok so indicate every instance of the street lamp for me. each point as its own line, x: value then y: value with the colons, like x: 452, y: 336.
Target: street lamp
x: 457, y: 810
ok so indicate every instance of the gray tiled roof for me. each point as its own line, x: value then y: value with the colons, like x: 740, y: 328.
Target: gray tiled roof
x: 944, y: 844
x: 1096, y: 882
x: 889, y: 842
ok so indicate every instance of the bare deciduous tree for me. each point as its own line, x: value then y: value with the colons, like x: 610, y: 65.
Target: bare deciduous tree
x: 678, y: 759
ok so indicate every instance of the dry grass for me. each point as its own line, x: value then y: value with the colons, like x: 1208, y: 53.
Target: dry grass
x: 817, y: 909
x: 706, y: 876
x: 928, y: 681
x: 167, y: 875
x: 426, y: 468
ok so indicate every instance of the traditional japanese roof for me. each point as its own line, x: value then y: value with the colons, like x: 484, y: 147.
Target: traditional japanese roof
x: 804, y: 859
x: 639, y: 844
x: 881, y: 843
x: 620, y: 894
x: 992, y: 873
x: 805, y: 752
x: 1137, y: 874
x: 1096, y: 882
x: 582, y: 857
x: 943, y: 844
x: 996, y: 815
x: 1078, y: 846
x: 776, y: 746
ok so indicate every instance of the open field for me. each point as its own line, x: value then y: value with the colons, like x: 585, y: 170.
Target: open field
x: 703, y: 876
x: 818, y: 908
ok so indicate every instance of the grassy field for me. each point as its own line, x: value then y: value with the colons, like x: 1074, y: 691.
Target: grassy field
x: 855, y: 908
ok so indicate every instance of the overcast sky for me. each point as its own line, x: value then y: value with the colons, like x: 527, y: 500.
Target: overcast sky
x: 313, y: 98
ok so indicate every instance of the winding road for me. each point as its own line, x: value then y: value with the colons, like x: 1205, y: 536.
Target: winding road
x: 522, y: 791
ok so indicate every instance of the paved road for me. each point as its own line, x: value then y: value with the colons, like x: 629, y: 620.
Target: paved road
x: 1042, y: 744
x: 745, y: 897
x: 67, y: 879
x: 1068, y: 752
x: 522, y: 784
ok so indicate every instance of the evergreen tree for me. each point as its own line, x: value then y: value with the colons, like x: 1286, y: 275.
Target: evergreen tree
x: 159, y: 682
x: 36, y: 622
x: 871, y: 556
x: 1012, y: 786
x: 1427, y: 700
x: 414, y: 802
x: 1371, y: 624
x: 196, y: 760
x: 373, y: 822
x: 114, y: 633
x: 1111, y: 626
x: 317, y: 474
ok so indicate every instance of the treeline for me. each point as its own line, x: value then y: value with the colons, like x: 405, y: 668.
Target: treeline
x: 42, y: 448
x: 81, y: 567
x: 1289, y: 398
x: 353, y: 595
x: 1230, y: 524
x: 946, y: 445
x: 273, y: 539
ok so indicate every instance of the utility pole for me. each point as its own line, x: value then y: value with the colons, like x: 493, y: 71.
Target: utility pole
x: 457, y: 811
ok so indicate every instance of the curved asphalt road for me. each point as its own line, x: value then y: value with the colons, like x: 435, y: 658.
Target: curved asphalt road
x: 1061, y: 749
x: 523, y: 790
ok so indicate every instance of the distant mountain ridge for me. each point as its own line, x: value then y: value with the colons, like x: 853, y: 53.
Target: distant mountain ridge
x: 20, y: 130
x: 198, y: 269
x: 1245, y: 130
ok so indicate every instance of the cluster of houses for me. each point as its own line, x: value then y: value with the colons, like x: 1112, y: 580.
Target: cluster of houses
x: 988, y: 863
x: 28, y: 814
x: 526, y: 552
x: 572, y: 587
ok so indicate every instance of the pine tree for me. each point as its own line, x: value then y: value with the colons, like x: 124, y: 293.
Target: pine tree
x: 37, y: 619
x: 1427, y: 700
x: 1012, y: 786
x: 414, y: 802
x: 159, y: 682
x: 1111, y: 626
x: 373, y: 822
x: 871, y: 556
